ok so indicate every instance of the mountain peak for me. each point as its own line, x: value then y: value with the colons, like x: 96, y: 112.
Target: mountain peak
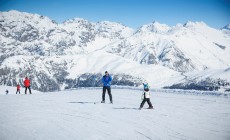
x: 155, y: 27
x: 24, y: 17
x: 15, y: 14
x: 109, y: 23
x: 226, y: 27
x: 76, y: 20
x: 195, y: 24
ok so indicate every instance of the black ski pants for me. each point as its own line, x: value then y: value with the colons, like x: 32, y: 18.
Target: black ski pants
x: 148, y: 101
x: 27, y: 88
x: 109, y: 92
x: 18, y: 90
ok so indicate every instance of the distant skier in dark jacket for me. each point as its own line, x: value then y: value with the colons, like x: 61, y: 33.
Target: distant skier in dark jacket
x: 106, y: 80
x: 27, y: 85
x: 18, y: 89
x: 146, y: 96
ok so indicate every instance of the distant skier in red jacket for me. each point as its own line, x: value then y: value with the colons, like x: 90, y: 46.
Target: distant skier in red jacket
x: 18, y: 89
x: 27, y: 84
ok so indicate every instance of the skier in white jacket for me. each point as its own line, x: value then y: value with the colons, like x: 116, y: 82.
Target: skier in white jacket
x: 146, y: 97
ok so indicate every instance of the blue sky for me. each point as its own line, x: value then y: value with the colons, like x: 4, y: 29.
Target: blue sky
x: 132, y: 13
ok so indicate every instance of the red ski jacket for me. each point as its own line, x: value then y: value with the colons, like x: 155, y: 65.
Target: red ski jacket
x: 18, y: 87
x: 27, y: 83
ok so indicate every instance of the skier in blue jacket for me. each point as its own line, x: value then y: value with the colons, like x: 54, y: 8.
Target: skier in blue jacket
x: 106, y: 80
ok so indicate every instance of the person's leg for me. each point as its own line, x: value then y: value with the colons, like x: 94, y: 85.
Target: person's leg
x: 103, y: 94
x: 142, y: 103
x: 110, y: 95
x: 19, y: 91
x: 30, y: 89
x: 149, y: 103
x: 26, y: 89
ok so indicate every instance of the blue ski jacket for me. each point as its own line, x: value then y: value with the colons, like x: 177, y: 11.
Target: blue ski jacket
x: 106, y: 80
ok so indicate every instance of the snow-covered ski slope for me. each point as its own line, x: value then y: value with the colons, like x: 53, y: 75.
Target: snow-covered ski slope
x: 79, y: 115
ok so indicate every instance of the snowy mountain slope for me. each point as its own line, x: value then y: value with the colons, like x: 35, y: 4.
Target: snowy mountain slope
x: 100, y: 60
x: 205, y: 80
x: 219, y: 73
x: 58, y: 56
x: 96, y: 35
x: 56, y: 71
x: 193, y: 46
x: 73, y: 115
x: 226, y: 29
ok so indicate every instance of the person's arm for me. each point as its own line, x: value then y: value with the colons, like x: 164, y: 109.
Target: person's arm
x: 143, y: 96
x: 110, y: 79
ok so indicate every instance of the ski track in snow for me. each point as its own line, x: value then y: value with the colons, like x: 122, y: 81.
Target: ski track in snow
x: 78, y: 114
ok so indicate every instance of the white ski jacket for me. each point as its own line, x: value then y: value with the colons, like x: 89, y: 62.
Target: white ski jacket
x: 146, y: 94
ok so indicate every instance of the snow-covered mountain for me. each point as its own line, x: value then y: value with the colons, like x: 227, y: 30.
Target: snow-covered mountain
x: 205, y: 80
x: 77, y: 52
x: 40, y: 35
x: 188, y: 47
x: 226, y: 29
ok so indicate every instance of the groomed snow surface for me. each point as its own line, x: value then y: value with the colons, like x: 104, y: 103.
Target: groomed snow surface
x: 79, y: 115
